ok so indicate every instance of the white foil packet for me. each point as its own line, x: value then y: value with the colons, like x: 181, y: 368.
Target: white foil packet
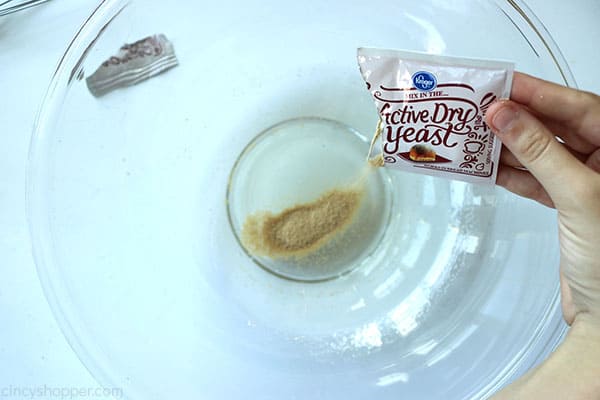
x: 432, y: 112
x: 134, y: 63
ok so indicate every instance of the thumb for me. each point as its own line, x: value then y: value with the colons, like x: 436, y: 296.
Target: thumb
x: 537, y: 149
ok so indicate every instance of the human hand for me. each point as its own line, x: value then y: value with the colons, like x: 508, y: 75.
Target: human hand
x: 562, y: 173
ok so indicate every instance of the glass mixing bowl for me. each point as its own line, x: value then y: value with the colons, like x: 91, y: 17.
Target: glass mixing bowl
x: 136, y: 200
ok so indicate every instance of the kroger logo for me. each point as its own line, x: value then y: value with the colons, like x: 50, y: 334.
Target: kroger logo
x: 424, y: 81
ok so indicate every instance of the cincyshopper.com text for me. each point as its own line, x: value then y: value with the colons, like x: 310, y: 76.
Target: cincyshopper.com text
x: 54, y: 392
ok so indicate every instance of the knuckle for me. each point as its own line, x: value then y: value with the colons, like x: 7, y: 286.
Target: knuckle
x: 588, y: 119
x: 533, y: 144
x: 584, y: 100
x: 588, y: 97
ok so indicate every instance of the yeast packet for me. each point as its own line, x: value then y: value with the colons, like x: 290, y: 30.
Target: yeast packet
x: 432, y: 112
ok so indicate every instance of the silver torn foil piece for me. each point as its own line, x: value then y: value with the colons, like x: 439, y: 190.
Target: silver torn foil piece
x: 134, y: 63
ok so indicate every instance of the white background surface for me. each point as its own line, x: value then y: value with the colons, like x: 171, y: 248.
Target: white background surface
x: 33, y: 352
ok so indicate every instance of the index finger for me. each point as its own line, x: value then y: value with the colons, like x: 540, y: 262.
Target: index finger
x: 576, y: 109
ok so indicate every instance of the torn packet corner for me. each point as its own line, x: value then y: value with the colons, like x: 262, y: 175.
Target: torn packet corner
x: 134, y: 63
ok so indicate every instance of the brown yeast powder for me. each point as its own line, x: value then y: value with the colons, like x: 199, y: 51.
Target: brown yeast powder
x: 303, y: 228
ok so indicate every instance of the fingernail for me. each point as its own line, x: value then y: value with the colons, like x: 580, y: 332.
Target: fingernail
x: 504, y: 118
